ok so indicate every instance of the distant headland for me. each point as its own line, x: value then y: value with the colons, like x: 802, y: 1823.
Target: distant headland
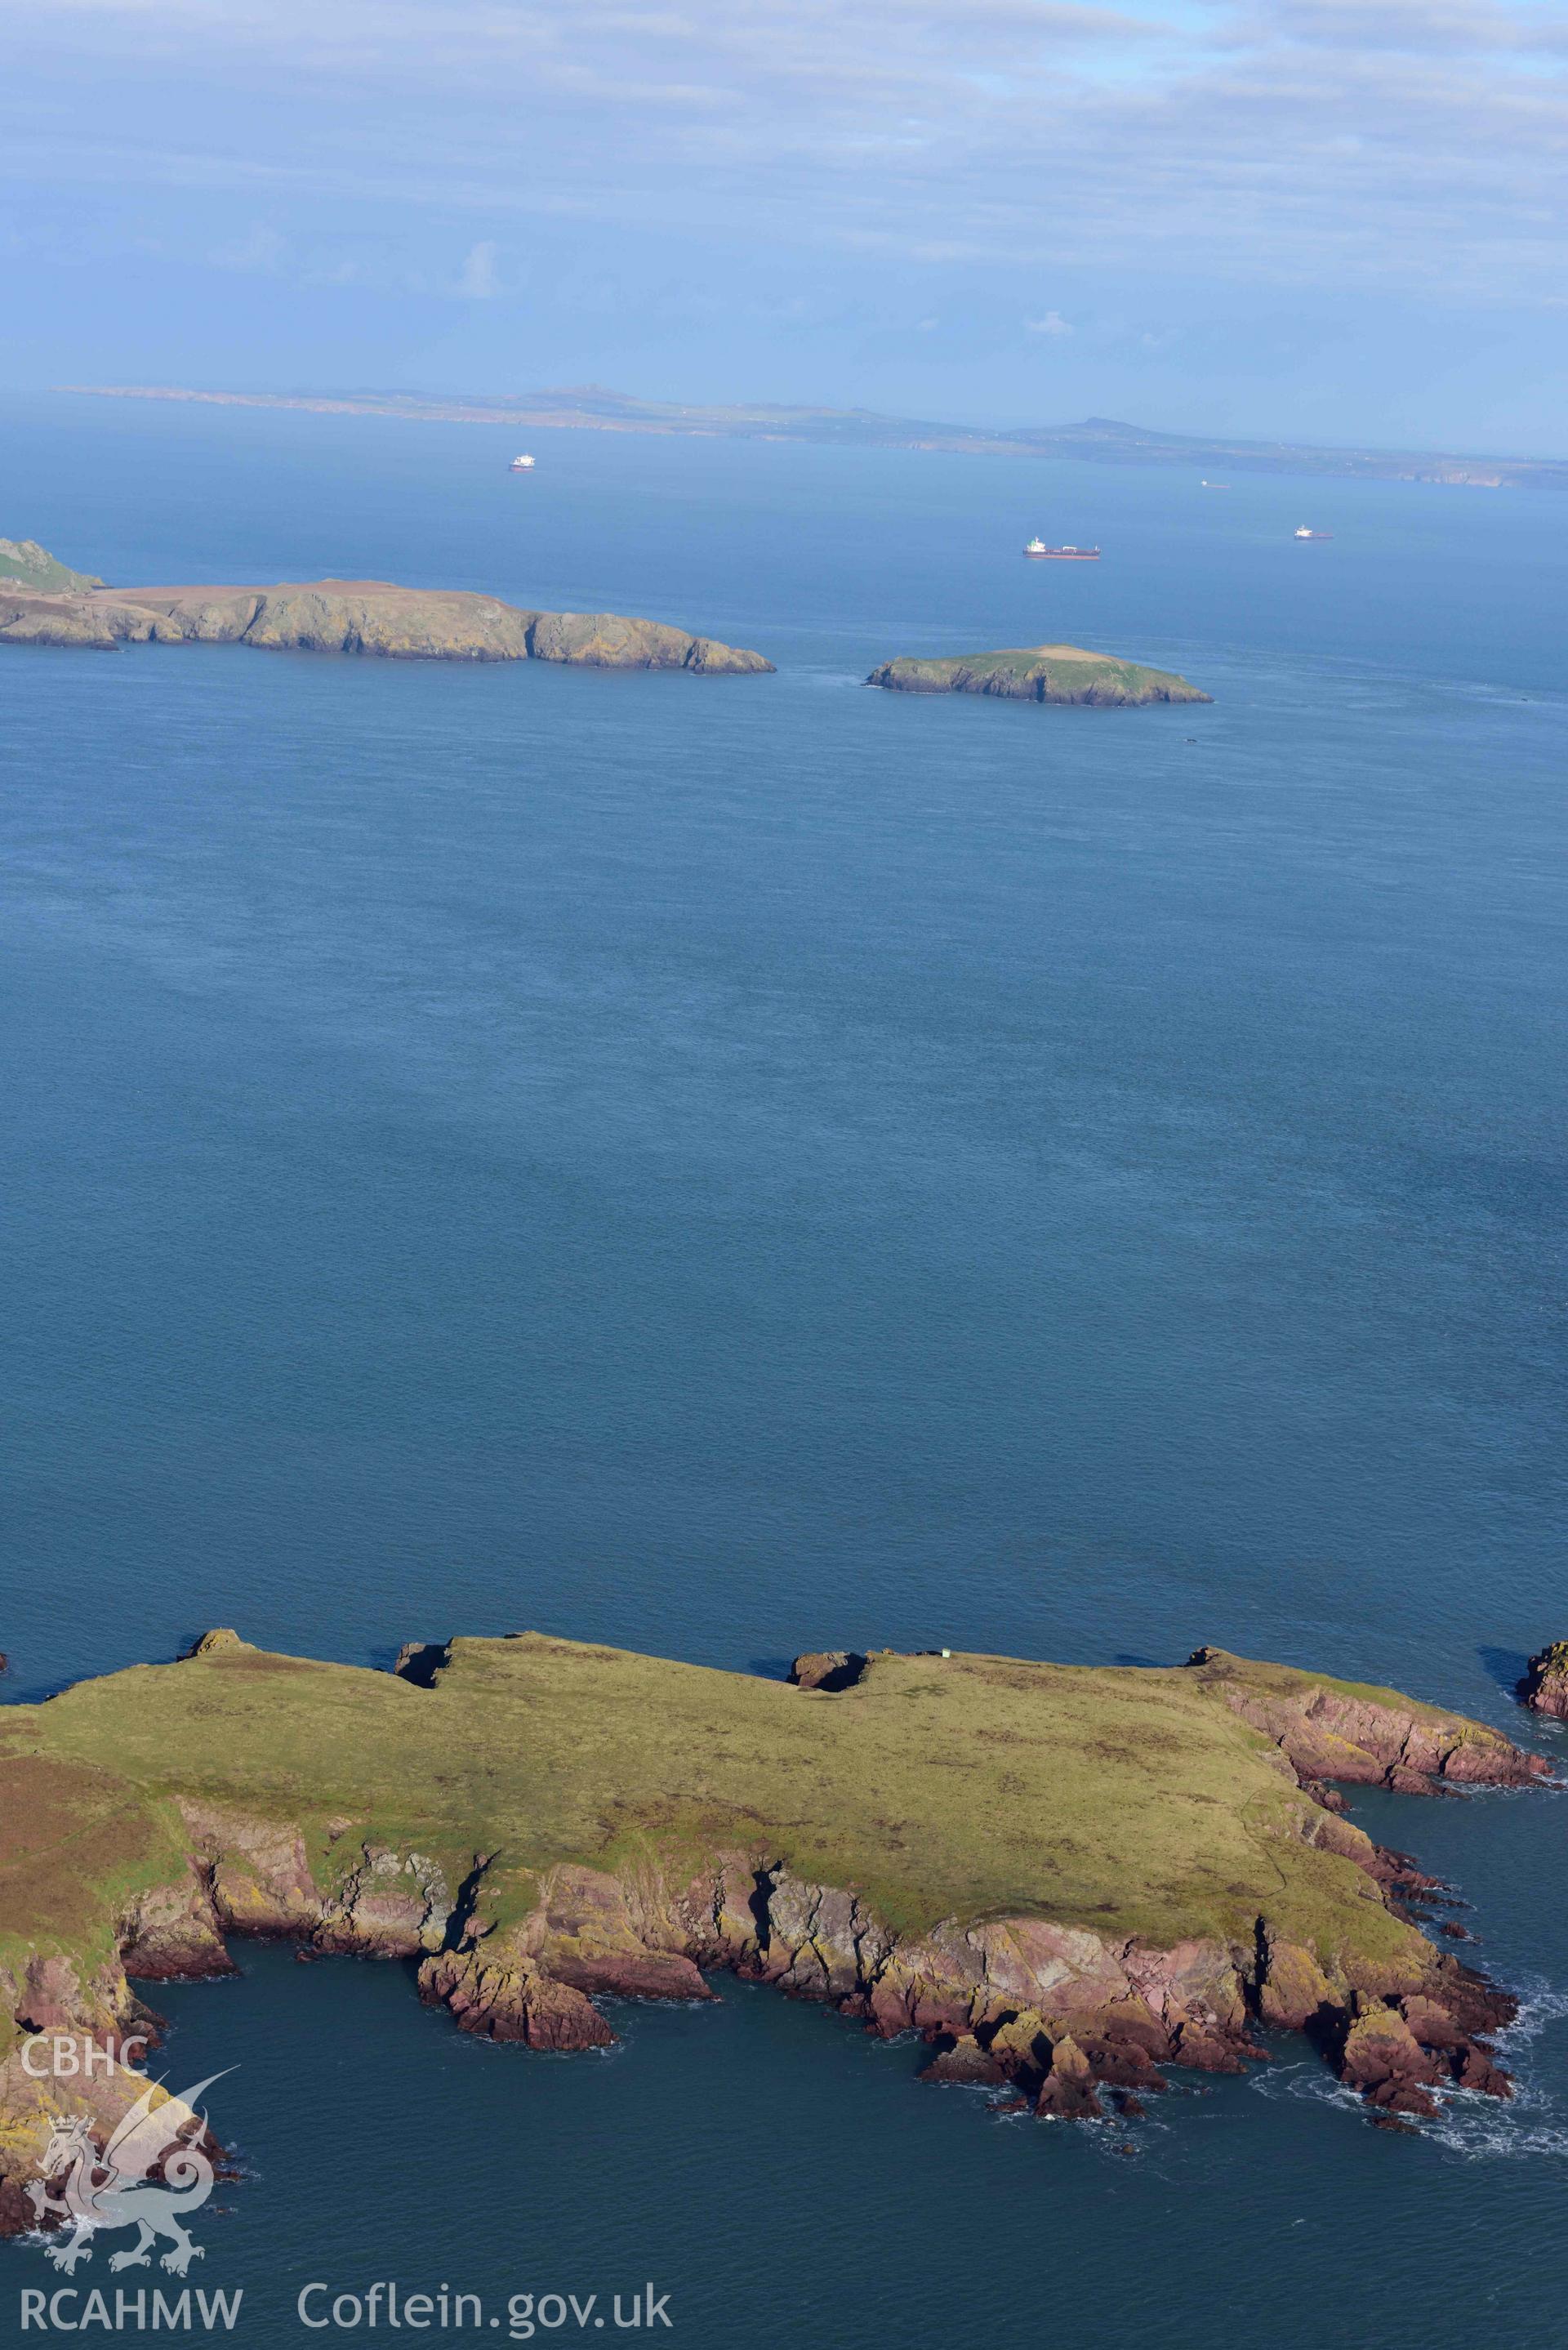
x: 24, y: 564
x: 41, y: 603
x: 1063, y: 673
x: 1066, y: 1879
x: 1101, y: 440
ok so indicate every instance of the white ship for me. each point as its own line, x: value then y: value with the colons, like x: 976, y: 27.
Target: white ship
x: 523, y: 465
x: 1305, y: 533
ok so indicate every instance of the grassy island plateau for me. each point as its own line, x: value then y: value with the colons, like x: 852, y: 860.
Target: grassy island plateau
x: 47, y: 605
x: 1061, y: 674
x: 1066, y: 1878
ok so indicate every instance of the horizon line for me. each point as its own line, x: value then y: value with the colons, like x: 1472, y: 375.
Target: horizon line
x: 599, y: 407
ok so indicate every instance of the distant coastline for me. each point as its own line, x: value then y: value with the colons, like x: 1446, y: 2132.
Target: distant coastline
x: 1099, y: 439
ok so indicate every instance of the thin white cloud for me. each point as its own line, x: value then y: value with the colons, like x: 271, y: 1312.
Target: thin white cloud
x: 477, y: 280
x: 1418, y: 143
x: 261, y: 251
x: 1425, y: 27
x: 1052, y: 323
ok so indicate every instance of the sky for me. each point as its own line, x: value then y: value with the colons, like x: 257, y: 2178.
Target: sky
x: 1342, y: 220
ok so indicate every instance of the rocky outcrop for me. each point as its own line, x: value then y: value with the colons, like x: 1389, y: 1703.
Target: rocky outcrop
x: 72, y: 2039
x: 256, y: 1878
x: 1057, y: 673
x: 508, y: 1998
x: 174, y: 1933
x: 363, y: 616
x: 69, y: 2072
x: 1381, y: 2056
x: 829, y: 1669
x: 1544, y: 1688
x: 213, y: 1644
x: 1067, y: 2091
x: 27, y: 618
x: 1057, y: 2012
x: 386, y: 1905
x: 584, y: 1932
x: 606, y: 640
x: 1331, y: 1729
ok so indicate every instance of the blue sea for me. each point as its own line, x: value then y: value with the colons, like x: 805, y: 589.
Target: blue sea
x: 732, y: 1166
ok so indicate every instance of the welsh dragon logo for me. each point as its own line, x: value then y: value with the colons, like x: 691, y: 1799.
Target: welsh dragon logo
x: 84, y: 2190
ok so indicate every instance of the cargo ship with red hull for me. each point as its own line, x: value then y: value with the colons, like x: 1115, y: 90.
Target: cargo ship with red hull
x: 1038, y: 552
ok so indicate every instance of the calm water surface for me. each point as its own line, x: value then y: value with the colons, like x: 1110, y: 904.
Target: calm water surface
x: 732, y: 1166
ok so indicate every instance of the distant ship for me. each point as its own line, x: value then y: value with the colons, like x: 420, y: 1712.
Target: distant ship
x: 1305, y: 533
x: 1214, y: 485
x: 521, y: 464
x: 1038, y: 552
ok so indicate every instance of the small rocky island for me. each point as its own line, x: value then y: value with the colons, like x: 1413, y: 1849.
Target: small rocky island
x: 42, y: 603
x: 1066, y: 1880
x: 1063, y: 673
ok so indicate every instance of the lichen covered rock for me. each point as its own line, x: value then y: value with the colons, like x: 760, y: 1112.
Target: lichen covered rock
x: 1544, y: 1688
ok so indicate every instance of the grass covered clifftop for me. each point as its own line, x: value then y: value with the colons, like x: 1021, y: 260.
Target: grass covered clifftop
x: 1133, y: 1859
x: 1059, y: 673
x: 963, y: 1786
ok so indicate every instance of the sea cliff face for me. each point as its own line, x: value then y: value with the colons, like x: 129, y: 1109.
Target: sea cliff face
x: 1545, y: 1687
x: 1059, y: 673
x: 1067, y: 1881
x: 363, y: 616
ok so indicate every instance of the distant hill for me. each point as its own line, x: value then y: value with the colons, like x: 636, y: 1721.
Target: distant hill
x: 1103, y: 440
x: 24, y: 564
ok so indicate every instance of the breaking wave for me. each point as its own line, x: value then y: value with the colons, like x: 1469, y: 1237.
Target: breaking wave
x: 1474, y: 2128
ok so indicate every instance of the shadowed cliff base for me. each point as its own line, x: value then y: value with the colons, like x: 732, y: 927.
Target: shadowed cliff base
x: 1066, y: 1879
